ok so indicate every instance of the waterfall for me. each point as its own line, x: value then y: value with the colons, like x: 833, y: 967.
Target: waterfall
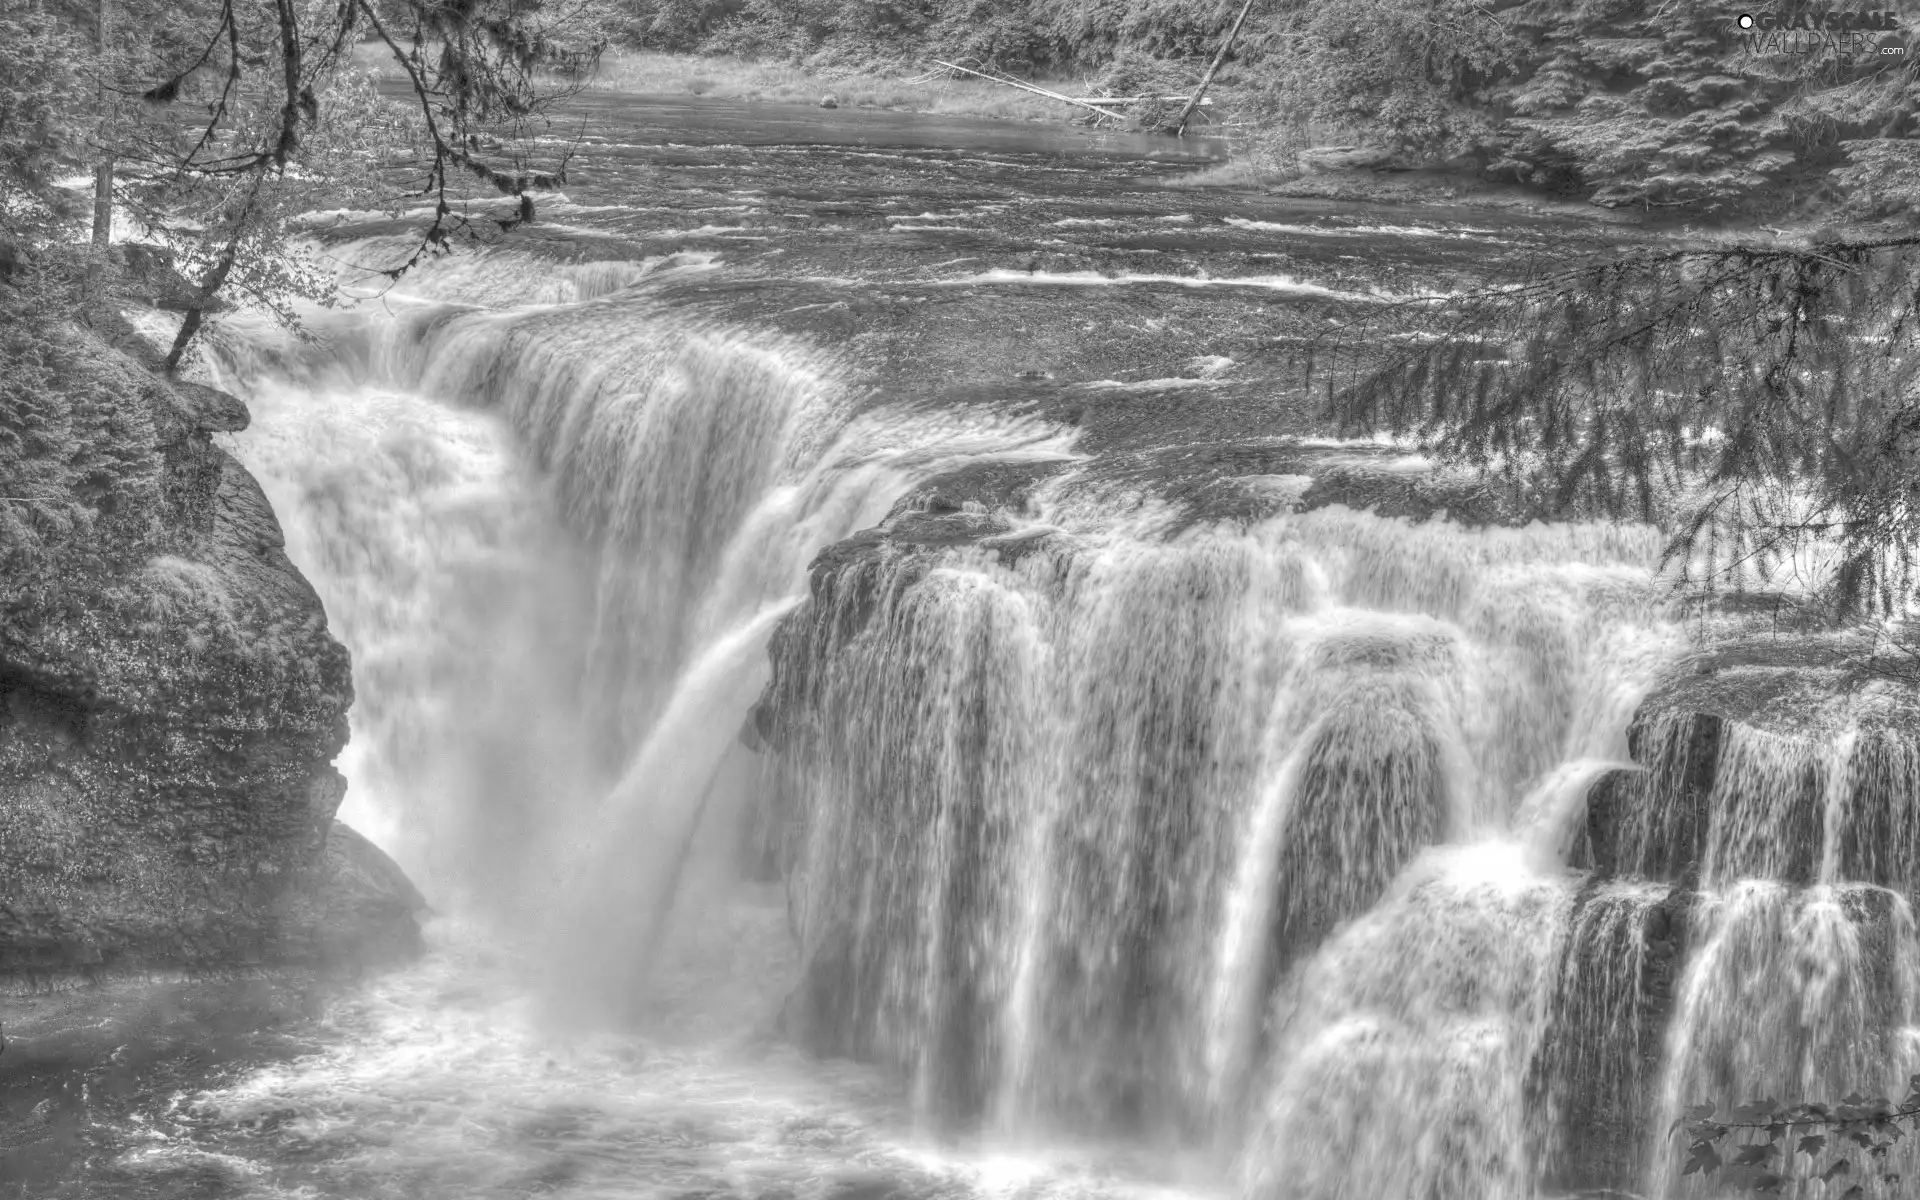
x: 1405, y: 1042
x: 556, y: 533
x: 1074, y: 812
x: 1803, y: 980
x: 1794, y: 994
x: 1338, y: 848
x: 1593, y: 1080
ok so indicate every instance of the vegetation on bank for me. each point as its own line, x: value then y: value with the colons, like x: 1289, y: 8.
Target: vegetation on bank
x: 1636, y: 102
x: 207, y: 126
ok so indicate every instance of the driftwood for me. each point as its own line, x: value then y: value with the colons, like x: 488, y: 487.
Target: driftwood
x: 1098, y: 104
x: 1028, y: 87
x: 1106, y: 100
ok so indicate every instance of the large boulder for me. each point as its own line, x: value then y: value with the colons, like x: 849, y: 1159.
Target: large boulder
x: 170, y: 698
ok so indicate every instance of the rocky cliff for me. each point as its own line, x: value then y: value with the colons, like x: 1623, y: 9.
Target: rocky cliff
x: 170, y: 699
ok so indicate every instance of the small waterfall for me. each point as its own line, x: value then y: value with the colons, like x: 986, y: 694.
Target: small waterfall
x: 1802, y: 983
x: 1072, y: 809
x: 1593, y: 1079
x: 1404, y: 1044
x: 1795, y: 994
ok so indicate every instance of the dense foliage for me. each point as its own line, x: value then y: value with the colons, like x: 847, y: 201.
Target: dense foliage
x: 1771, y: 1149
x: 1759, y: 402
x: 218, y: 120
x: 1625, y: 101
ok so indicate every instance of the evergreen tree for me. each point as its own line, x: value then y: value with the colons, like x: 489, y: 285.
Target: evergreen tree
x: 1759, y: 401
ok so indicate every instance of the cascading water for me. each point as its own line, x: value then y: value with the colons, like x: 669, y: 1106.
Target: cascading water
x: 1326, y: 849
x: 1080, y: 811
x: 557, y: 538
x: 1803, y: 979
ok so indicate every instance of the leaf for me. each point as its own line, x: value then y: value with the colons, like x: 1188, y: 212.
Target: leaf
x: 1856, y: 1192
x: 1813, y: 1143
x: 1754, y: 1154
x: 164, y: 93
x: 1703, y: 1159
x: 1839, y: 1167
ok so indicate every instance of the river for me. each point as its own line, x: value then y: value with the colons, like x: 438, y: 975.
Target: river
x: 1206, y: 850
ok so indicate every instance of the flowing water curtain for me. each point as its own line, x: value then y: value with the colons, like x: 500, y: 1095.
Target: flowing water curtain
x: 1800, y: 979
x: 1795, y: 994
x: 661, y: 439
x: 1404, y: 1044
x: 658, y: 435
x: 1879, y: 827
x: 1559, y: 623
x: 1243, y: 738
x: 1594, y: 1077
x: 1774, y: 796
x: 925, y: 704
x: 440, y: 563
x: 1545, y: 641
x: 1171, y: 657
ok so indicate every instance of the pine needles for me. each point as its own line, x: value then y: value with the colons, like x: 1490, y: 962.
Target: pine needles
x: 1758, y: 402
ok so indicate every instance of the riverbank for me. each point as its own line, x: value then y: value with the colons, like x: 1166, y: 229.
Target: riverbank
x: 933, y: 91
x: 940, y: 93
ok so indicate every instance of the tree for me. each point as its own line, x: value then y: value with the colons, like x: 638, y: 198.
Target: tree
x: 222, y: 124
x: 1757, y: 401
x: 40, y: 138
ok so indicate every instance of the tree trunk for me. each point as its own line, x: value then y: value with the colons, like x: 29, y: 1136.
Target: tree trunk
x: 1193, y: 101
x: 215, y: 279
x: 102, y: 206
x: 103, y: 171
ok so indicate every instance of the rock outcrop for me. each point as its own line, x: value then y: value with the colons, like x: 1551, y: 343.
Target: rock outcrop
x: 170, y: 699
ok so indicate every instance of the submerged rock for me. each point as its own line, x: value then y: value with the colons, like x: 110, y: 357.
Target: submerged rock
x: 361, y: 910
x: 170, y: 698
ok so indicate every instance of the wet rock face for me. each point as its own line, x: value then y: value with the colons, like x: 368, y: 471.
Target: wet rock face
x: 1771, y: 782
x: 1754, y: 754
x: 170, y: 699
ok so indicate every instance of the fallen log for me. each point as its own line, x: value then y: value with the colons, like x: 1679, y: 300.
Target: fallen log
x: 1105, y: 100
x: 1028, y: 87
